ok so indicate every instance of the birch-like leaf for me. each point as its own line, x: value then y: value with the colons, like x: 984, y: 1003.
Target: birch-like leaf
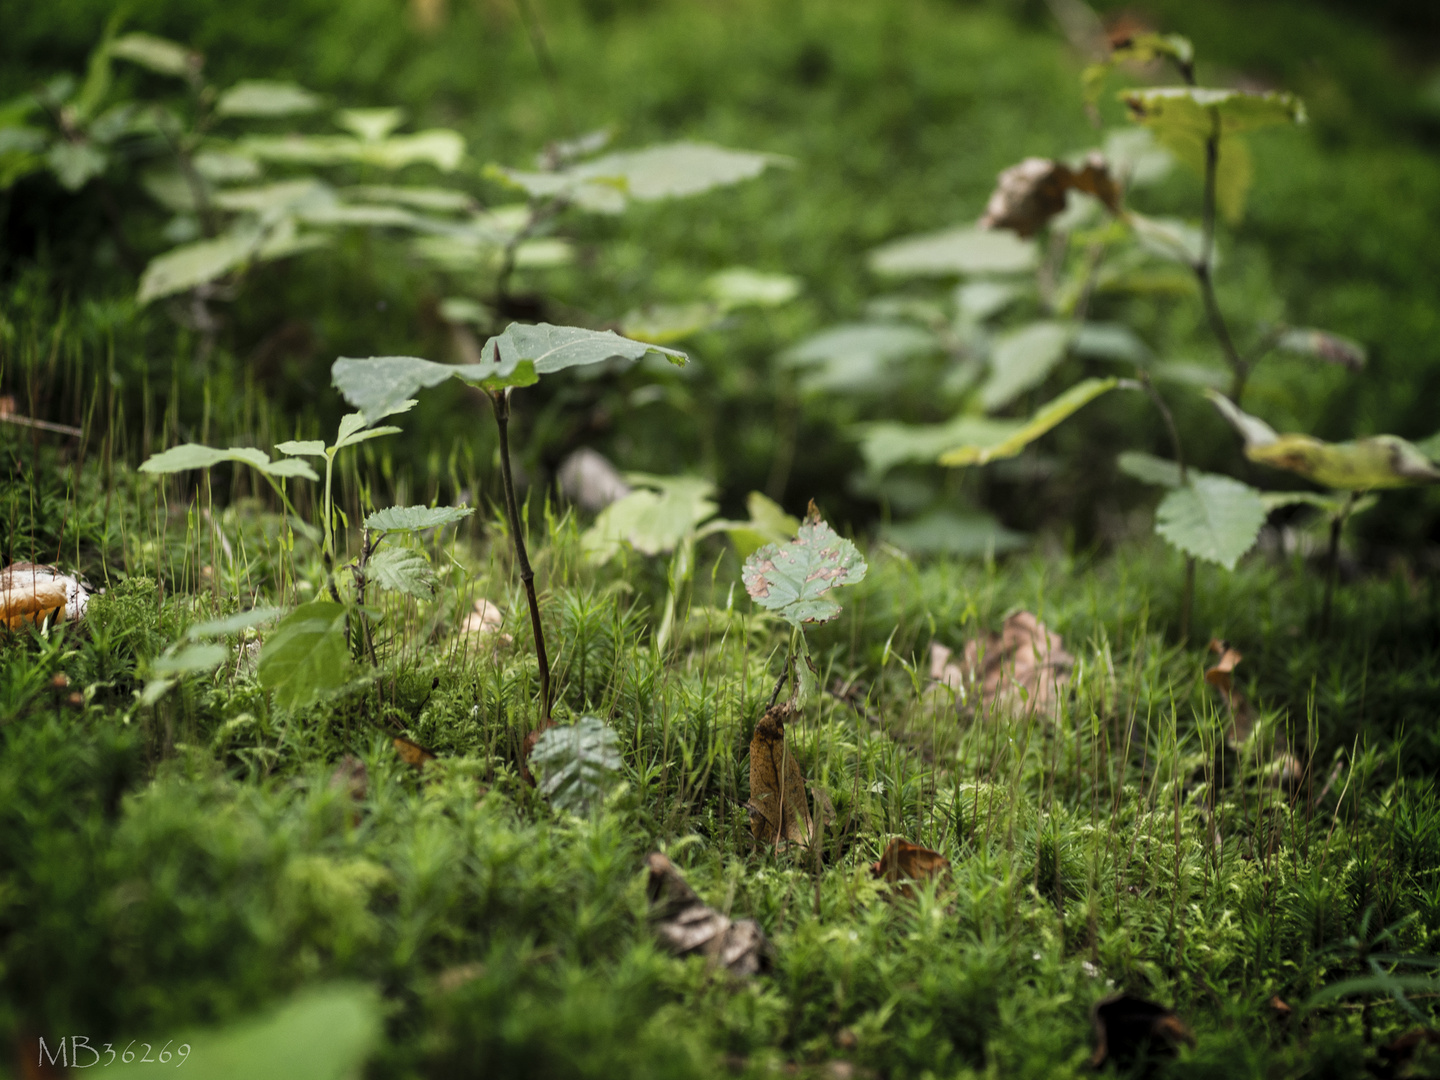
x: 654, y: 518
x: 1213, y: 518
x: 402, y: 570
x: 381, y: 384
x: 578, y: 764
x: 306, y: 655
x: 964, y: 250
x: 555, y: 348
x: 795, y: 579
x: 194, y: 456
x: 156, y: 54
x: 264, y: 97
x: 416, y: 518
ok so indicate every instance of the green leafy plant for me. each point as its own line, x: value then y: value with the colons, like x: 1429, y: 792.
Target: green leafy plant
x: 795, y: 580
x: 515, y: 358
x: 578, y: 763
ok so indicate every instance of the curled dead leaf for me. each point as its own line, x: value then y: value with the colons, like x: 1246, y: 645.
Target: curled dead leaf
x: 1021, y: 670
x: 686, y: 925
x: 903, y: 862
x: 1029, y: 194
x: 412, y: 753
x: 1221, y: 676
x: 1129, y: 1028
x: 30, y: 593
x: 779, y: 810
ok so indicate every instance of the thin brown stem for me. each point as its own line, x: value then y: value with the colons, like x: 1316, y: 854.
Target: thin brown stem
x: 1332, y: 561
x: 501, y: 401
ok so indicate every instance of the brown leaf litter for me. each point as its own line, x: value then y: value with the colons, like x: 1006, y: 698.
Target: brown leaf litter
x: 687, y: 926
x: 1221, y: 675
x: 779, y: 806
x: 1029, y: 194
x: 903, y: 862
x: 1022, y: 670
x: 1128, y: 1028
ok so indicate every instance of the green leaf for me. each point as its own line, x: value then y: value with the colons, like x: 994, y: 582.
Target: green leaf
x: 1047, y: 417
x: 768, y: 524
x: 352, y: 427
x: 661, y: 324
x: 857, y: 356
x: 232, y: 624
x: 739, y: 286
x: 676, y: 170
x: 555, y: 348
x: 1169, y: 238
x: 1323, y: 345
x: 1149, y: 469
x: 1332, y: 504
x: 199, y: 263
x: 595, y: 197
x: 75, y: 164
x: 1380, y: 461
x: 415, y: 518
x: 372, y: 125
x: 156, y: 54
x: 188, y: 456
x: 439, y: 147
x: 1430, y: 447
x: 1213, y: 518
x: 325, y: 1033
x: 976, y: 301
x: 303, y: 448
x: 306, y: 656
x: 964, y: 250
x: 945, y: 532
x: 382, y: 384
x: 795, y: 579
x: 264, y: 97
x: 1110, y: 341
x: 888, y: 443
x: 1022, y: 359
x: 656, y: 517
x: 578, y: 764
x: 190, y: 659
x: 421, y: 198
x: 402, y: 570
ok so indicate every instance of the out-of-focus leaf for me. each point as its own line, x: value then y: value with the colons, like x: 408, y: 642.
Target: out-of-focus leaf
x: 889, y: 443
x: 779, y: 804
x: 190, y: 659
x: 768, y: 524
x: 440, y: 147
x: 578, y: 764
x: 1213, y: 518
x: 1430, y: 447
x: 264, y: 97
x: 232, y: 624
x: 963, y: 250
x: 188, y: 456
x: 739, y: 286
x: 686, y: 925
x: 195, y: 264
x: 947, y: 532
x: 75, y: 163
x: 1323, y: 345
x: 402, y: 570
x: 903, y: 862
x: 324, y: 1033
x: 303, y: 448
x: 275, y: 197
x: 156, y: 54
x: 676, y: 170
x: 1380, y: 461
x: 306, y: 655
x: 976, y: 301
x: 372, y: 125
x: 462, y: 309
x: 655, y: 517
x: 595, y: 197
x: 1136, y: 158
x: 661, y: 324
x: 1028, y: 195
x: 795, y: 579
x: 1149, y: 469
x: 353, y: 428
x: 555, y: 348
x: 1047, y: 417
x: 857, y: 356
x: 1332, y: 504
x: 421, y: 198
x: 1022, y: 359
x: 1109, y: 341
x: 416, y: 518
x: 1168, y: 238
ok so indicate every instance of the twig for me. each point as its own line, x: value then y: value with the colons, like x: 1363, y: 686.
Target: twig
x: 1332, y: 563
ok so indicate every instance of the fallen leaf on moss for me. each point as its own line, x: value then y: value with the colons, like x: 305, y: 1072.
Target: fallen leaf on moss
x: 779, y: 810
x: 1029, y: 194
x: 1023, y: 669
x: 1128, y: 1028
x: 30, y: 593
x: 1221, y: 676
x: 412, y: 753
x: 686, y: 925
x: 903, y: 862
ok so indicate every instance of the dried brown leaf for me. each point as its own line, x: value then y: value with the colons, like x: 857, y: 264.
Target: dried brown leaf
x: 685, y: 924
x: 412, y: 753
x: 1221, y: 676
x: 779, y: 810
x: 903, y: 862
x: 1029, y: 194
x: 527, y: 747
x: 1128, y: 1028
x: 1022, y: 670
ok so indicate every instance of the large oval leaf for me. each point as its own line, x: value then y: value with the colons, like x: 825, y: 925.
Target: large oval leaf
x: 306, y: 655
x: 857, y: 356
x: 1213, y: 518
x: 380, y: 385
x: 964, y: 250
x: 555, y: 348
x: 416, y: 518
x: 1022, y: 359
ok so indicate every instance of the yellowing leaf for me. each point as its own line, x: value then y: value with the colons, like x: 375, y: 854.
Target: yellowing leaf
x: 1047, y: 417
